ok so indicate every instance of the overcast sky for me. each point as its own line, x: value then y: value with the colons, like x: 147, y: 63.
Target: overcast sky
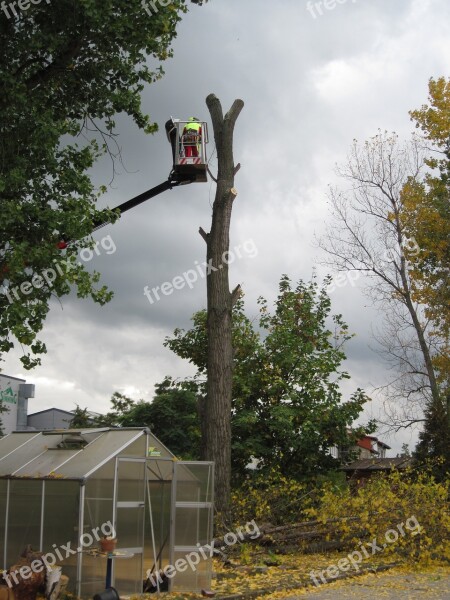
x: 312, y: 80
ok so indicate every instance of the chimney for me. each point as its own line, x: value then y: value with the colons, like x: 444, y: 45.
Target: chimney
x: 26, y: 390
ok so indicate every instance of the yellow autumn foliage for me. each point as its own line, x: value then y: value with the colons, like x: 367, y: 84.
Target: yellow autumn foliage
x: 272, y: 498
x: 407, y: 513
x: 425, y: 217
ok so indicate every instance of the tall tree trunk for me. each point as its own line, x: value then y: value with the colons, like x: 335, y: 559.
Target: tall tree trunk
x: 406, y: 293
x: 216, y: 413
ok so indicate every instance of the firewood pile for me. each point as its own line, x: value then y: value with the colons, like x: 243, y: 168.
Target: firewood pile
x: 29, y: 577
x: 308, y: 536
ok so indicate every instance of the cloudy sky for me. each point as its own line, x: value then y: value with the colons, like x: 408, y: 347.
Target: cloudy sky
x: 312, y: 80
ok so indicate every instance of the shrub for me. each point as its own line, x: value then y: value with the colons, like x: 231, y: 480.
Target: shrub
x: 271, y: 498
x: 412, y: 503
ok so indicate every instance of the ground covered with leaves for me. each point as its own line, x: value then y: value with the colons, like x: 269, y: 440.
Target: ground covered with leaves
x: 292, y: 576
x: 332, y: 533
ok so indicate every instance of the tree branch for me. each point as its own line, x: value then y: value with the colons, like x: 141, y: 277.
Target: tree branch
x: 236, y: 294
x: 203, y: 233
x: 234, y: 112
x: 60, y: 63
x: 215, y: 110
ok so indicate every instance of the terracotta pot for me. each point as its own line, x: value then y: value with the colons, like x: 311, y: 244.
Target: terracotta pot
x: 108, y: 545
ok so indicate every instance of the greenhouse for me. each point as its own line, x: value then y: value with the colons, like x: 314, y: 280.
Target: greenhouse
x: 60, y: 491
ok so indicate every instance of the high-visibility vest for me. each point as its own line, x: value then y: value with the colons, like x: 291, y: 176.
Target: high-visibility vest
x: 195, y: 125
x: 191, y: 135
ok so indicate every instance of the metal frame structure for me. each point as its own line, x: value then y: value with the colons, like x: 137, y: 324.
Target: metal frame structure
x: 194, y: 166
x: 50, y: 492
x: 200, y: 498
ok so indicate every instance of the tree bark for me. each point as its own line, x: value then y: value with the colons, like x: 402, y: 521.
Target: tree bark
x: 216, y: 413
x: 413, y: 313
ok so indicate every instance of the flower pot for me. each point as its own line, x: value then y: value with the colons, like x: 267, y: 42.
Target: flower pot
x: 108, y: 544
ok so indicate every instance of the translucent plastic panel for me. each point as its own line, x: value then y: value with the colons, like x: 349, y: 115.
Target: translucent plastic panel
x: 104, y: 473
x: 130, y: 528
x: 137, y: 448
x: 159, y: 470
x: 194, y: 482
x: 25, y: 453
x: 99, y: 498
x: 128, y: 575
x: 24, y: 519
x: 93, y: 575
x: 128, y: 572
x: 91, y: 434
x: 131, y: 481
x: 192, y: 519
x: 61, y: 513
x: 46, y: 463
x: 99, y: 451
x: 192, y: 526
x: 61, y: 510
x: 13, y: 441
x: 157, y: 449
x: 191, y: 580
x: 159, y: 499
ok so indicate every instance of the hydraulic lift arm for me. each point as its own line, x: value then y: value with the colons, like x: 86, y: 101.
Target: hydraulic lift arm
x: 151, y: 193
x: 188, y: 167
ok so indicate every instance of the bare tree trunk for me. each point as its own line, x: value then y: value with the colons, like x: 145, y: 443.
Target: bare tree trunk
x: 216, y: 412
x: 406, y: 293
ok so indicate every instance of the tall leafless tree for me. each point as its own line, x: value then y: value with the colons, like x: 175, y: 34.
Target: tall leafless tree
x: 367, y: 236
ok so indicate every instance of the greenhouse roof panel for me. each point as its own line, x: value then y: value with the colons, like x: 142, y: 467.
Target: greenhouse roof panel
x: 22, y: 454
x: 46, y: 464
x: 13, y: 440
x: 55, y: 455
x: 98, y: 452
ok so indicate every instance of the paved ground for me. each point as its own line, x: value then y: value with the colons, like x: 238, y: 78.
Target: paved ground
x: 434, y: 584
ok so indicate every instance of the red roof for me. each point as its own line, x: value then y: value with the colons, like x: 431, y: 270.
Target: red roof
x: 365, y: 442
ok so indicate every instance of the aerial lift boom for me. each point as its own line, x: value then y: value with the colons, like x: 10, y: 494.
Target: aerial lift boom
x: 189, y: 162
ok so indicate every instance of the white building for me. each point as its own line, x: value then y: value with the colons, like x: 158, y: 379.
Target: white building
x: 14, y: 394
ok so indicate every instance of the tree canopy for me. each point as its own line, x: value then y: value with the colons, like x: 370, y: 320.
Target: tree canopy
x: 426, y: 216
x: 392, y: 225
x: 288, y: 409
x: 171, y: 415
x: 66, y: 70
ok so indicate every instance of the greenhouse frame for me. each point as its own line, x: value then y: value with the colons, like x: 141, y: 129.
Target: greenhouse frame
x: 61, y: 490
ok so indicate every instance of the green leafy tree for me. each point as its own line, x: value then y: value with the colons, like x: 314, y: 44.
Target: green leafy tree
x: 172, y: 416
x: 287, y: 405
x: 66, y: 69
x: 121, y: 406
x: 434, y: 441
x: 82, y: 419
x: 405, y: 450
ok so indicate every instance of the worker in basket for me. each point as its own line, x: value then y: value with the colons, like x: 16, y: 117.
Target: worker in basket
x: 192, y: 134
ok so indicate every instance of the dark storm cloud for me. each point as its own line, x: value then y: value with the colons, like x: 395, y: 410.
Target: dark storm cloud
x: 310, y: 86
